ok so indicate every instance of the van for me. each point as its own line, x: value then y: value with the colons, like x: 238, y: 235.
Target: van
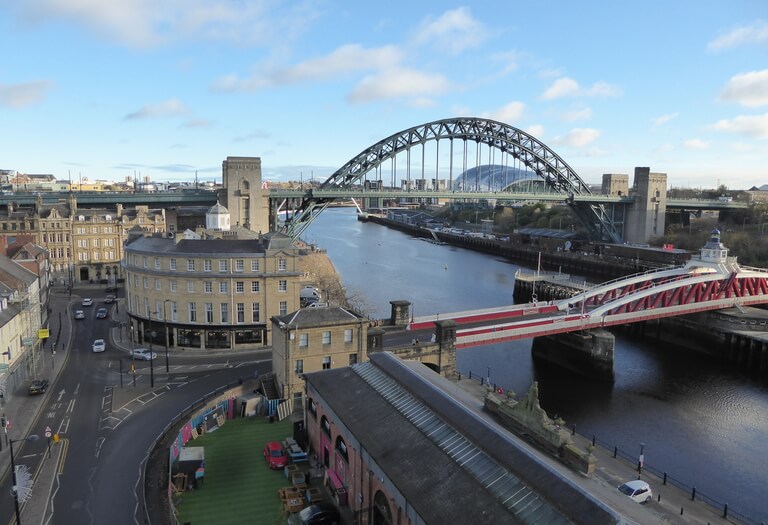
x: 309, y: 291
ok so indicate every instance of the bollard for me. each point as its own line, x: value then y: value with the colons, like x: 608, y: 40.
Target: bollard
x: 665, y: 479
x: 593, y: 440
x: 693, y: 494
x: 615, y: 451
x: 725, y: 511
x: 658, y: 497
x: 681, y: 511
x: 573, y: 430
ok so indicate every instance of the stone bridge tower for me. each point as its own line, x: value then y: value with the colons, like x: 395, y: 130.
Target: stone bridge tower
x: 244, y: 193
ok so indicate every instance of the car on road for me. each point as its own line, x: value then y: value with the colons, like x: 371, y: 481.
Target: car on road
x: 101, y: 313
x: 99, y: 345
x: 111, y: 289
x: 38, y: 386
x: 275, y: 455
x: 637, y: 490
x: 87, y: 301
x: 322, y: 513
x: 144, y: 354
x: 79, y: 314
x: 109, y: 299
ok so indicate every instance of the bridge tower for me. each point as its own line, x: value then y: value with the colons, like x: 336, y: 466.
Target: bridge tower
x: 646, y: 216
x: 244, y: 194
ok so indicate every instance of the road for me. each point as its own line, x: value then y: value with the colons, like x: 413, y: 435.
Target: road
x: 106, y: 429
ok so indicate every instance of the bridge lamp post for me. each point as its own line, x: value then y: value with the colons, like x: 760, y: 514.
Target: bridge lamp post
x: 641, y: 459
x: 15, y: 488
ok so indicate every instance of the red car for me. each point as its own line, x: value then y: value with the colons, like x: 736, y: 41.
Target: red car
x: 275, y: 455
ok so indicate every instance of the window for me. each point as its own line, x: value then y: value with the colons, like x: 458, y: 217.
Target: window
x: 326, y: 362
x: 311, y: 407
x: 190, y: 265
x: 348, y: 336
x: 255, y: 286
x: 172, y: 285
x: 208, y: 312
x: 223, y: 287
x: 282, y: 264
x: 239, y: 265
x: 224, y: 312
x: 326, y: 426
x: 303, y: 340
x: 240, y: 313
x: 255, y: 265
x: 239, y: 287
x: 145, y: 282
x: 341, y: 448
x: 283, y: 308
x: 224, y: 266
x: 174, y: 313
x: 327, y: 337
x: 207, y: 265
x: 299, y: 368
x: 135, y: 281
x: 143, y: 259
x: 255, y: 314
x: 352, y: 359
x: 172, y: 263
x: 208, y: 286
x: 192, y: 313
x: 282, y: 285
x: 190, y: 286
x: 157, y: 259
x: 158, y: 285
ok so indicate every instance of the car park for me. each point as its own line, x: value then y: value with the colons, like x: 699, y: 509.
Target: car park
x: 275, y: 455
x: 101, y: 313
x: 322, y: 513
x: 87, y: 301
x: 38, y: 386
x: 109, y: 299
x: 637, y: 490
x: 99, y: 345
x: 79, y: 314
x: 143, y: 354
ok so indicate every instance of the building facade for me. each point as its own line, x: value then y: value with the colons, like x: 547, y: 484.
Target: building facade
x: 215, y: 290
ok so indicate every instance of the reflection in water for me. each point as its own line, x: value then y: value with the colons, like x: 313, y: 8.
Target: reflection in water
x: 701, y: 421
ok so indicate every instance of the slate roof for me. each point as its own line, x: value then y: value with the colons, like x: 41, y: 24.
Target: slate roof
x: 440, y: 486
x: 309, y: 317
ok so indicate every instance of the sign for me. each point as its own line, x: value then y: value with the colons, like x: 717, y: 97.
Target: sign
x: 48, y: 432
x: 43, y: 333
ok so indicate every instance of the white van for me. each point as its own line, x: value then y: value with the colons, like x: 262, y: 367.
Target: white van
x: 309, y: 291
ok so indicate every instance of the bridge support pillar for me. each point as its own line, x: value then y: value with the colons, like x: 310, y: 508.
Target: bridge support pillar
x: 445, y: 337
x: 400, y: 313
x: 588, y: 353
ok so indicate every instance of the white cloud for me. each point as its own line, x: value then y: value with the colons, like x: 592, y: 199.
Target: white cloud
x: 748, y: 89
x: 754, y: 126
x: 578, y: 137
x: 663, y: 119
x: 342, y: 60
x: 509, y: 114
x: 696, y: 144
x: 577, y: 114
x: 756, y: 33
x: 397, y: 83
x: 169, y: 108
x: 567, y: 87
x: 509, y: 60
x: 453, y: 31
x: 535, y: 130
x: 24, y: 94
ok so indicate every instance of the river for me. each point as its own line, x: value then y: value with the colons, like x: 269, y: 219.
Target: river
x: 702, y: 422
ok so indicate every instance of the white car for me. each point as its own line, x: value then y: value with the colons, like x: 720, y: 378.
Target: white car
x: 99, y: 345
x: 637, y: 490
x: 79, y: 314
x: 87, y: 302
x: 143, y: 353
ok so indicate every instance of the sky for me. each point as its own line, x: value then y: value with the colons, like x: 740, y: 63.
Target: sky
x: 104, y: 90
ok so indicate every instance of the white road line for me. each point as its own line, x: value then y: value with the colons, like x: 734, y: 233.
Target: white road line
x: 71, y: 405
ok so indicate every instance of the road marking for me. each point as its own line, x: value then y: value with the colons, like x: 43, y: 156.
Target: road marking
x: 50, y: 415
x: 99, y: 444
x: 63, y: 458
x: 70, y: 405
x: 64, y: 425
x: 77, y: 389
x: 61, y: 394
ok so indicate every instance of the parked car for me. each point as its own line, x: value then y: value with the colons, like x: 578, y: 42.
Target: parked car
x: 38, y: 386
x: 275, y: 455
x: 79, y: 314
x: 111, y: 289
x: 322, y: 513
x: 637, y: 490
x: 99, y: 345
x: 143, y: 354
x: 87, y: 301
x: 109, y: 299
x: 101, y: 313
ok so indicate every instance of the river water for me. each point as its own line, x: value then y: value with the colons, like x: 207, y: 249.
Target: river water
x: 701, y: 421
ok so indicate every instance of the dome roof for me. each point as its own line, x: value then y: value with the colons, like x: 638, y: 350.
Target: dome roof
x: 218, y: 209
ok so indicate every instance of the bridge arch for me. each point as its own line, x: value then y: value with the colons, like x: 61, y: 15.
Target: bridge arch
x: 527, y: 149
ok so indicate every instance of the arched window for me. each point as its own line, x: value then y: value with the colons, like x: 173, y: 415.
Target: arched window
x: 312, y: 407
x: 382, y: 514
x: 341, y: 448
x: 326, y: 426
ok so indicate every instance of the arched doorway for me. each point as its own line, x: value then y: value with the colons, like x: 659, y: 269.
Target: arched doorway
x: 382, y: 514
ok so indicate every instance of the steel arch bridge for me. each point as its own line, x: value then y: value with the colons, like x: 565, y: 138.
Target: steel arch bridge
x: 529, y: 151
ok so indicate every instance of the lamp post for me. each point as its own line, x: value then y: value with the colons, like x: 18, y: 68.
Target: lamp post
x: 165, y: 322
x: 640, y: 459
x: 15, y: 488
x: 151, y: 359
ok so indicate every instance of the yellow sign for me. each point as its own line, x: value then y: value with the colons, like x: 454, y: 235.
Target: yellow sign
x: 43, y: 333
x: 55, y: 438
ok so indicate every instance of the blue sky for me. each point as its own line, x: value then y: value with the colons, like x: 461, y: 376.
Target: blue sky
x: 108, y: 89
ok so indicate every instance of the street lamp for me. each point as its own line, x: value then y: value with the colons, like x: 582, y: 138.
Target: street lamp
x: 15, y: 488
x: 165, y: 322
x: 151, y: 359
x: 640, y: 459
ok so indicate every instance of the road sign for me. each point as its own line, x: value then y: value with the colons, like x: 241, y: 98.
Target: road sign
x: 47, y: 432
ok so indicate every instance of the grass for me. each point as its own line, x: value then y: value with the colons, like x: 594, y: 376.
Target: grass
x: 238, y: 487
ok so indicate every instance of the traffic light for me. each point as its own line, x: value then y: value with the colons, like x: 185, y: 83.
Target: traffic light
x: 2, y: 421
x: 53, y: 348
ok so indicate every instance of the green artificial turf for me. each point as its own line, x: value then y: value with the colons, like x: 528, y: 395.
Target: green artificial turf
x: 238, y: 487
